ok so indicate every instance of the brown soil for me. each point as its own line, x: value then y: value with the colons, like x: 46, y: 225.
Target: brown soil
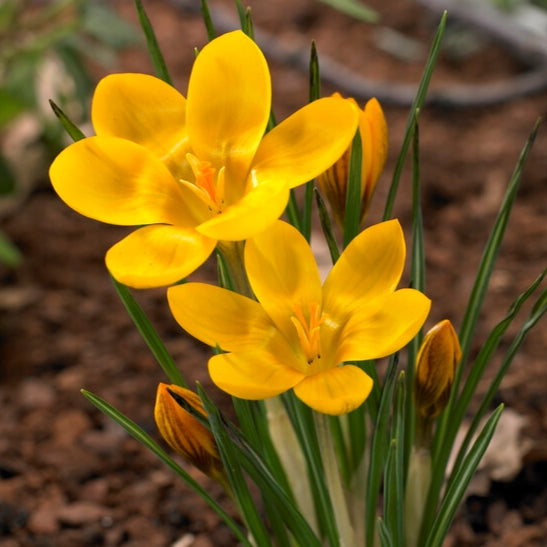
x: 69, y: 477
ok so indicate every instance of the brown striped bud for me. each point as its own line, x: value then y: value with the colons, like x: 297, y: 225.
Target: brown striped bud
x: 184, y: 433
x: 437, y: 359
x: 374, y: 141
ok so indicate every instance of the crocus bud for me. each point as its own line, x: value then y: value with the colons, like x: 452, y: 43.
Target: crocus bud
x: 334, y: 181
x: 437, y: 359
x: 184, y: 433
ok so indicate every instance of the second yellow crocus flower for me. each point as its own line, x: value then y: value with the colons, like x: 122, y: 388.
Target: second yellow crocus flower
x: 300, y: 332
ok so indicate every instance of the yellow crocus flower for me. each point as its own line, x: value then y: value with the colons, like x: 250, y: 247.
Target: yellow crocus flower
x: 300, y: 332
x: 192, y: 171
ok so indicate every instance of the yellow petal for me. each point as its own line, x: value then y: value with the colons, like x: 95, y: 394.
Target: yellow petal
x: 142, y: 109
x: 335, y: 391
x: 374, y: 137
x: 283, y: 274
x: 259, y: 208
x: 252, y: 375
x: 308, y: 142
x: 370, y: 266
x: 383, y: 326
x: 158, y: 255
x: 221, y: 317
x: 229, y: 98
x: 116, y: 181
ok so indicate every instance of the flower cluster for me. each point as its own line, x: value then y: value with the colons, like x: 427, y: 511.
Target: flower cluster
x: 296, y: 349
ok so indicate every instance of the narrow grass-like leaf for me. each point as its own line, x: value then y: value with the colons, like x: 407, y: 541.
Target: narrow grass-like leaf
x: 266, y: 473
x: 223, y: 272
x: 480, y: 286
x: 538, y: 310
x: 455, y: 493
x: 384, y: 534
x: 480, y: 364
x: 417, y: 281
x: 490, y: 254
x: 314, y: 94
x: 354, y: 9
x: 149, y: 334
x: 394, y: 477
x: 153, y: 46
x: 326, y: 226
x: 206, y: 16
x: 142, y: 437
x: 315, y: 74
x: 251, y: 419
x: 293, y: 212
x: 234, y: 471
x: 248, y: 27
x: 70, y: 127
x: 417, y: 104
x: 352, y: 211
x: 446, y: 426
x: 378, y: 451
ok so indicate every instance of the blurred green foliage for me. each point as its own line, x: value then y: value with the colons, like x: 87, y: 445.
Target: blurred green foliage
x: 46, y: 47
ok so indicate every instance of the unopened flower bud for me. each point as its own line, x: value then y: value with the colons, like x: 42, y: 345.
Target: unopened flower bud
x: 437, y: 359
x: 184, y: 433
x: 334, y: 181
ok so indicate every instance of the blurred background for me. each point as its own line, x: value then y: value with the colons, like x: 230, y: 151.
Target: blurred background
x: 69, y: 477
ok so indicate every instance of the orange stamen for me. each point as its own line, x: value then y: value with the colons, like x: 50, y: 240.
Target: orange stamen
x: 204, y: 174
x: 308, y: 330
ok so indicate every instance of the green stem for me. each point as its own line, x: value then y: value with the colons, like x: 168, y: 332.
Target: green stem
x: 232, y: 252
x: 333, y: 480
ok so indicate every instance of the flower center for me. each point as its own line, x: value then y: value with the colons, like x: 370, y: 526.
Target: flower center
x: 207, y: 183
x: 308, y: 330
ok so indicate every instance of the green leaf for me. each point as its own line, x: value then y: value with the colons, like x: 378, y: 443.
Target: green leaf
x: 137, y: 433
x: 446, y: 425
x: 234, y: 470
x: 206, y: 15
x: 354, y: 9
x: 326, y: 226
x: 149, y: 334
x: 455, y: 493
x: 70, y: 127
x: 538, y: 310
x: 479, y: 366
x: 417, y: 281
x: 490, y: 254
x: 153, y: 47
x: 352, y: 212
x: 417, y: 104
x: 378, y: 450
x: 394, y: 469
